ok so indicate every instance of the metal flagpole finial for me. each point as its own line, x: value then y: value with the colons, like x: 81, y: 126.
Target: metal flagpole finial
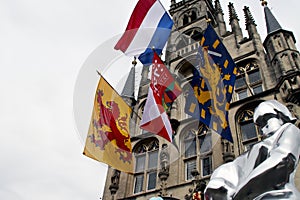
x: 153, y: 48
x: 134, y: 61
x: 98, y: 73
x: 208, y: 20
x: 264, y: 3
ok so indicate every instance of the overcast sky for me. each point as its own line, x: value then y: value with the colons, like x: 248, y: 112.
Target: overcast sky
x: 45, y: 48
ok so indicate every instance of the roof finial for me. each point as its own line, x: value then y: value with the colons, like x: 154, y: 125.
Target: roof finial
x: 134, y: 61
x: 218, y: 7
x: 248, y: 16
x: 271, y: 22
x: 264, y: 3
x: 232, y: 12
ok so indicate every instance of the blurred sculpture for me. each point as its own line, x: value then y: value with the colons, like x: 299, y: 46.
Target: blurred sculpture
x: 114, y: 186
x: 164, y: 170
x: 164, y: 158
x: 266, y: 171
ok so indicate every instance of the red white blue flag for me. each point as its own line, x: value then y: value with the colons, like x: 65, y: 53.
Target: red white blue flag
x: 155, y: 118
x: 149, y: 28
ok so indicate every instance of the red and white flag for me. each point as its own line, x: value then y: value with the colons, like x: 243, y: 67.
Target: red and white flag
x: 155, y: 118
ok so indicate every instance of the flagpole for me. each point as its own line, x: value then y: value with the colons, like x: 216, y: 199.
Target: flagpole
x: 133, y: 67
x: 134, y: 63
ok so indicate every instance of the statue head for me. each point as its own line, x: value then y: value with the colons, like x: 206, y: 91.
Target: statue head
x: 270, y: 115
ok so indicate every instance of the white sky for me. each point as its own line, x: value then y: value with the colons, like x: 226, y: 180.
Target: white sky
x: 46, y: 46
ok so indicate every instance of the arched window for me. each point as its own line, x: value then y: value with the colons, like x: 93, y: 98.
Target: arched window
x: 190, y: 156
x: 193, y: 16
x: 185, y: 20
x: 196, y: 35
x: 189, y: 17
x: 248, y: 80
x: 190, y: 145
x: 197, y: 141
x: 205, y: 146
x: 249, y: 133
x: 146, y: 160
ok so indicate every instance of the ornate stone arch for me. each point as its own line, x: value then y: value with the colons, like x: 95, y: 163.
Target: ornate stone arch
x: 250, y: 63
x: 146, y: 144
x: 181, y: 42
x: 191, y: 124
x: 195, y: 33
x: 185, y: 66
x: 184, y: 71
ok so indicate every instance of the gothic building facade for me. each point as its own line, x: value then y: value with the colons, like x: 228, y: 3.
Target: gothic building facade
x: 268, y: 69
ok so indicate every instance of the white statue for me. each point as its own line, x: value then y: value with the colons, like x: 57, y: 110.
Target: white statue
x: 266, y: 171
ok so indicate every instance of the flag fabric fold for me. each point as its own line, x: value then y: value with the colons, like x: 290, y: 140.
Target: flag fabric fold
x: 212, y: 85
x: 163, y: 90
x: 149, y: 27
x: 108, y: 138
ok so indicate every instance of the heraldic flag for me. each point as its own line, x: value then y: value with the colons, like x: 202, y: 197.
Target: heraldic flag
x: 212, y: 85
x: 163, y: 90
x: 108, y: 138
x: 149, y: 27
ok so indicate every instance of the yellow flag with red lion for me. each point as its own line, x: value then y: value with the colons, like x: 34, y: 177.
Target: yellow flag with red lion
x: 108, y: 138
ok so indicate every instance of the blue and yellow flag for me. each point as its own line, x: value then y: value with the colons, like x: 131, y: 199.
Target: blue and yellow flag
x: 212, y: 85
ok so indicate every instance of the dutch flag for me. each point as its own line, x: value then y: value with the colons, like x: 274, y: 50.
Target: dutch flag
x: 149, y: 27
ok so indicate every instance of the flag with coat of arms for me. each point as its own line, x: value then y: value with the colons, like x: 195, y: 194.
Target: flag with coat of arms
x: 108, y: 138
x: 163, y: 90
x: 212, y: 84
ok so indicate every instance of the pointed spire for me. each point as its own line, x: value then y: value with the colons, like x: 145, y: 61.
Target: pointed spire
x: 173, y: 2
x: 234, y: 22
x: 252, y: 31
x: 218, y: 7
x: 271, y: 22
x: 248, y: 17
x: 129, y: 87
x: 220, y: 18
x: 232, y: 13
